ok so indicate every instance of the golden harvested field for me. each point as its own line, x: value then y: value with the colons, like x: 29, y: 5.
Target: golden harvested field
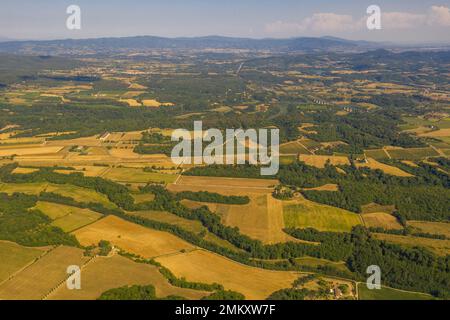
x: 24, y: 170
x: 188, y: 225
x: 97, y: 151
x: 30, y: 284
x: 261, y: 219
x: 41, y: 160
x: 114, y: 137
x: 29, y: 150
x: 431, y: 227
x: 410, y: 163
x: 320, y: 161
x: 226, y: 186
x: 131, y: 237
x: 151, y: 103
x: 440, y: 247
x: 66, y: 217
x: 302, y: 213
x: 53, y: 134
x: 223, y: 109
x: 381, y: 220
x: 92, y: 141
x: 373, y: 164
x: 207, y: 267
x: 32, y: 141
x: 131, y: 102
x: 136, y: 175
x: 229, y: 182
x: 130, y: 136
x: 14, y: 257
x: 105, y: 273
x: 87, y: 171
x: 437, y: 133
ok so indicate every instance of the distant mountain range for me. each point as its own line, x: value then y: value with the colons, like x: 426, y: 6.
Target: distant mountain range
x: 102, y: 45
x: 4, y: 39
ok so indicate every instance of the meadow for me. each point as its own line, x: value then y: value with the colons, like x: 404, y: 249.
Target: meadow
x: 389, y: 294
x: 306, y: 214
x: 293, y: 148
x: 378, y: 154
x: 134, y: 175
x: 412, y: 153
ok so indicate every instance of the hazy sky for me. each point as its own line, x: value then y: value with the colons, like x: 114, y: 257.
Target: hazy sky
x: 402, y: 20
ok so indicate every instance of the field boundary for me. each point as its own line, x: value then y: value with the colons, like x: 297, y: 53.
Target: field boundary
x: 28, y: 264
x: 47, y: 295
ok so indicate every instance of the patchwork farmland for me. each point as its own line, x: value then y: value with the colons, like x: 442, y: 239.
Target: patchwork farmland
x: 87, y: 178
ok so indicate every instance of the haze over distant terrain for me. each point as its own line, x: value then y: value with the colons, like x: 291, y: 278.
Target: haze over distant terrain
x: 402, y: 21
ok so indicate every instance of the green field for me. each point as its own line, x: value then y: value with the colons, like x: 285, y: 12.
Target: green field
x: 143, y: 197
x: 376, y: 154
x: 413, y: 153
x: 413, y: 122
x: 312, y: 107
x: 315, y: 262
x: 73, y: 222
x: 77, y: 193
x: 14, y: 257
x: 439, y: 144
x: 167, y: 217
x: 389, y: 294
x: 28, y: 188
x: 307, y: 214
x: 66, y: 217
x: 310, y: 143
x: 134, y: 175
x: 286, y: 160
x: 80, y: 194
x: 293, y: 148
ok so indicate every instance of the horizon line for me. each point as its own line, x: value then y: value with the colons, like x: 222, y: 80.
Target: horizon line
x: 326, y: 37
